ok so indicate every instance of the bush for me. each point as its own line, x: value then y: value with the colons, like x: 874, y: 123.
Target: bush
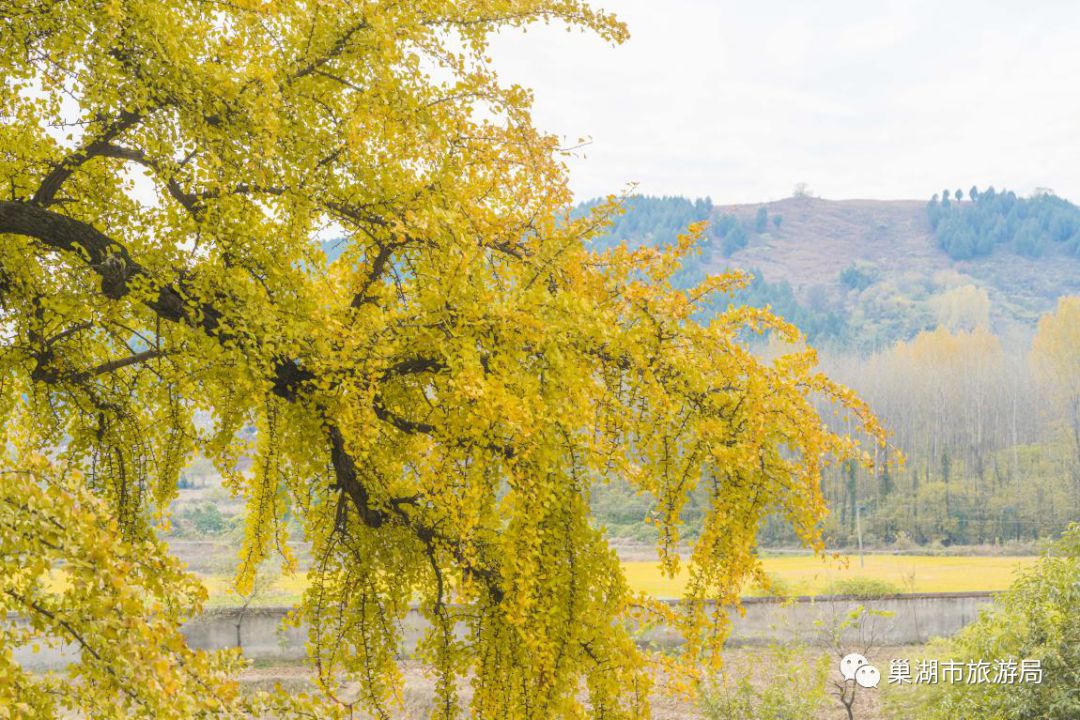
x: 778, y: 587
x: 761, y: 220
x: 863, y: 588
x: 206, y: 519
x: 734, y: 240
x: 858, y: 276
x: 793, y: 688
x: 1037, y: 618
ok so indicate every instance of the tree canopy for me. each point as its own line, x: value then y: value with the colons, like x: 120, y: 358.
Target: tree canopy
x: 434, y: 406
x: 1028, y: 226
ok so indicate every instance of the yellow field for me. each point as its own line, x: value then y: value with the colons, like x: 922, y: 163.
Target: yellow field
x: 794, y: 574
x: 285, y: 590
x: 805, y: 575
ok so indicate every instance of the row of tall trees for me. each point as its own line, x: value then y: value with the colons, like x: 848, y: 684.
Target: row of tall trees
x: 984, y: 443
x: 989, y: 437
x: 984, y: 431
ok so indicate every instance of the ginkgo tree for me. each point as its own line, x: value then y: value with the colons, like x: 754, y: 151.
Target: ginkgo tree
x: 433, y: 406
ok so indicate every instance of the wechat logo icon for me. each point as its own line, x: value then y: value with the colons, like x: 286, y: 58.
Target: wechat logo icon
x: 855, y: 667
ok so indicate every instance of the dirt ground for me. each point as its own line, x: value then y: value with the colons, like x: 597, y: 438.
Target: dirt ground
x: 419, y: 690
x: 884, y: 703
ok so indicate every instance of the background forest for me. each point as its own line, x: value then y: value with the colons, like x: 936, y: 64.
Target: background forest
x: 957, y: 319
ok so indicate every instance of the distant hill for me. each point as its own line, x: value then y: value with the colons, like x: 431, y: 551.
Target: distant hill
x: 862, y: 274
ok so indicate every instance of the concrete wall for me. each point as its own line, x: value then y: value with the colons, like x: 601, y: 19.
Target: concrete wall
x: 903, y: 619
x: 262, y: 632
x: 911, y: 619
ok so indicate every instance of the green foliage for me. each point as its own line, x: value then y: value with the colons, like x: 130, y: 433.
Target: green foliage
x: 778, y: 587
x: 205, y: 519
x: 1037, y: 618
x: 824, y: 323
x: 1007, y: 504
x: 761, y: 220
x: 1026, y: 226
x: 648, y: 221
x: 621, y: 511
x: 1011, y: 485
x: 954, y: 492
x: 792, y: 687
x: 857, y: 276
x: 658, y: 222
x: 863, y: 588
x: 734, y: 240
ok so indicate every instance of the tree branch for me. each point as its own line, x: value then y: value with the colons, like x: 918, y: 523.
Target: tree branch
x: 50, y: 375
x: 52, y: 183
x: 112, y: 262
x: 335, y: 50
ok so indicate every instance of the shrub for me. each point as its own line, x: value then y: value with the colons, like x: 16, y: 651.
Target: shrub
x: 863, y: 588
x: 761, y: 220
x: 793, y: 687
x: 1037, y: 618
x: 858, y: 276
x: 206, y: 519
x: 778, y: 587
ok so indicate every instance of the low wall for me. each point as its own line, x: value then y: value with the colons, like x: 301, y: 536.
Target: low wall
x: 909, y: 619
x: 905, y: 620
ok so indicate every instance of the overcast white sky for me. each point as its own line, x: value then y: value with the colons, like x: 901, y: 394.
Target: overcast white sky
x: 857, y: 98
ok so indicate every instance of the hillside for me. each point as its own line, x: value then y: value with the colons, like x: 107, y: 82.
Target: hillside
x: 862, y: 273
x: 986, y: 435
x: 819, y: 238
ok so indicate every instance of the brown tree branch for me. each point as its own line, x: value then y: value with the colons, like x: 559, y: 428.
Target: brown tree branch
x: 49, y: 375
x: 112, y: 262
x: 52, y: 183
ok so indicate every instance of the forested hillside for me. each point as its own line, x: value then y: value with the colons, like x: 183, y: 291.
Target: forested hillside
x: 861, y: 275
x: 991, y: 221
x: 953, y: 318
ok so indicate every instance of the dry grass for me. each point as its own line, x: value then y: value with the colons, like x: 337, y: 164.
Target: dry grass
x: 807, y: 575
